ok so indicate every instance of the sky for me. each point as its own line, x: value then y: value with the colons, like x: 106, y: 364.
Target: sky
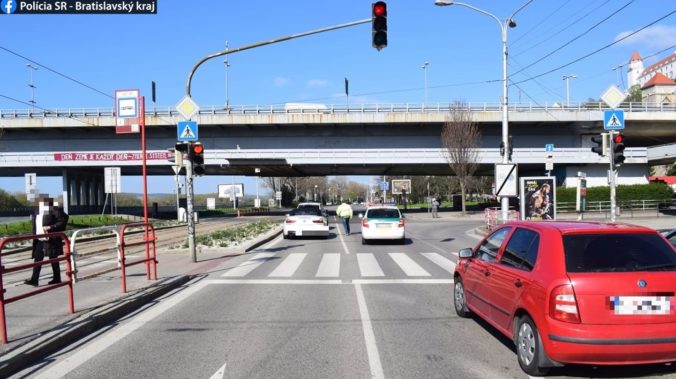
x: 83, y: 59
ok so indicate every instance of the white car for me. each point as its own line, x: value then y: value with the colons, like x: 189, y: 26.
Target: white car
x: 382, y: 223
x: 308, y: 219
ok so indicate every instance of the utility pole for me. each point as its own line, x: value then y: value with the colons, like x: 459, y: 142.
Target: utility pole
x: 31, y: 85
x: 227, y: 65
x: 424, y: 67
x: 567, y: 79
x: 191, y: 216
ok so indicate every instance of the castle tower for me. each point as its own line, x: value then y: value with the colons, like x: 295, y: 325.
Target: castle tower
x: 635, y: 69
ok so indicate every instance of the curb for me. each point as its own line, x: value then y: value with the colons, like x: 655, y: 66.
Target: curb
x: 63, y: 335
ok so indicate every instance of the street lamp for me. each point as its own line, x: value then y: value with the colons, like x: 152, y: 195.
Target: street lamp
x: 567, y: 79
x: 505, y: 123
x: 314, y: 194
x: 227, y: 65
x: 424, y: 67
x: 32, y: 68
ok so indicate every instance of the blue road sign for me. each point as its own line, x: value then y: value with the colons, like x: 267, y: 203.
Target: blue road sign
x: 186, y: 131
x: 549, y: 147
x: 384, y: 186
x: 613, y: 119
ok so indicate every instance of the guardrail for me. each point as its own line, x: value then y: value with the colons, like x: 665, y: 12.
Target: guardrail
x: 73, y: 239
x: 68, y: 282
x: 150, y: 258
x: 627, y: 206
x: 493, y: 216
x: 171, y: 111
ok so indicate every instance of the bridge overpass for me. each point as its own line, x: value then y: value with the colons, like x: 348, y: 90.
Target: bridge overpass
x: 303, y: 140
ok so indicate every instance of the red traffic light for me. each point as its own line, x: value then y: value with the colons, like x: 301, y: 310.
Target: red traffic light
x: 198, y: 149
x: 618, y: 138
x: 379, y: 9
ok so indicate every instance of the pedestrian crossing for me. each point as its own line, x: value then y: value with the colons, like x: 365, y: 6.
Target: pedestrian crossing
x: 329, y: 265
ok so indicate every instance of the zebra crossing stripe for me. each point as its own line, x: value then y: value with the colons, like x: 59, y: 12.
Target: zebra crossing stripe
x: 289, y: 265
x: 329, y: 266
x: 440, y: 261
x: 247, y: 266
x: 368, y: 266
x: 407, y: 264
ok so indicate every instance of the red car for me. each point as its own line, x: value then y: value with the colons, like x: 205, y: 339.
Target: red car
x: 573, y: 292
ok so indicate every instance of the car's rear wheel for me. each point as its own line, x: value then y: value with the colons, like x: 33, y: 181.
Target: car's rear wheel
x: 459, y: 298
x: 363, y: 241
x: 286, y: 236
x: 528, y: 347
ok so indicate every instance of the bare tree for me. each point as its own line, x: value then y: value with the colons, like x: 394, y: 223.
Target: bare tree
x: 460, y: 138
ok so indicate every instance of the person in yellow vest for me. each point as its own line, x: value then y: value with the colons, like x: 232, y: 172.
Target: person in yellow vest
x: 344, y: 212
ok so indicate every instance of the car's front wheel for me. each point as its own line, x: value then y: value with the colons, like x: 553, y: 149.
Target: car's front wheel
x: 363, y: 241
x: 459, y: 298
x: 528, y: 347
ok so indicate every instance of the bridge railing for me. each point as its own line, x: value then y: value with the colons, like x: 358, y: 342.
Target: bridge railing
x: 340, y: 109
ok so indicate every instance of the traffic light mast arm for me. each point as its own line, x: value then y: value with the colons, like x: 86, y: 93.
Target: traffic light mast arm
x: 268, y: 42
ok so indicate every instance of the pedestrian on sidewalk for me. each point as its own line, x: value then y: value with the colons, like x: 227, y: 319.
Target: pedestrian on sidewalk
x: 48, y: 219
x: 344, y: 212
x: 435, y: 207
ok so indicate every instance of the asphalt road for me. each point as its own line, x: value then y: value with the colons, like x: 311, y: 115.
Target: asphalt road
x: 314, y: 308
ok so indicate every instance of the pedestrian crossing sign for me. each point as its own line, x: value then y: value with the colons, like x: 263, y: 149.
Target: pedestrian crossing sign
x: 613, y: 119
x: 187, y: 131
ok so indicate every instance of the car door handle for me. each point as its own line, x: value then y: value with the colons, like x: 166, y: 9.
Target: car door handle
x: 487, y: 273
x: 518, y: 284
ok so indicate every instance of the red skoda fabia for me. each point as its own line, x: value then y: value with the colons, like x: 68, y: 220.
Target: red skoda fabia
x: 573, y: 292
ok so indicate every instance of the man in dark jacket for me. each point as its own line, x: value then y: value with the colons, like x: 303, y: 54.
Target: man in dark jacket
x: 48, y: 219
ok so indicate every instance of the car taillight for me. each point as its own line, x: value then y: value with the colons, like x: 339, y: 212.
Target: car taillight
x: 318, y: 221
x: 364, y: 223
x: 401, y: 223
x: 563, y: 305
x: 290, y: 221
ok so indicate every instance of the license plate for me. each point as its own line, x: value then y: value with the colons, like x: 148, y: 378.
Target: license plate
x: 382, y: 226
x: 641, y: 305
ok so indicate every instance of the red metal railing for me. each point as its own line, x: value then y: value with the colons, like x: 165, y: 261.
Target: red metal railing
x: 68, y: 282
x: 150, y: 257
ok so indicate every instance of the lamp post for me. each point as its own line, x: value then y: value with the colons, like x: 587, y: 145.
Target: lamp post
x: 567, y: 79
x: 227, y: 65
x: 32, y: 68
x: 424, y: 67
x: 314, y: 194
x: 504, y: 201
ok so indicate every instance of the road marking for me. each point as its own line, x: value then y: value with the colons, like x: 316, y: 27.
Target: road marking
x: 342, y: 240
x: 98, y: 345
x: 289, y: 265
x: 369, y: 336
x: 329, y: 266
x: 402, y: 281
x: 442, y: 262
x: 275, y: 281
x: 408, y: 265
x: 247, y: 266
x: 368, y: 265
x: 220, y: 374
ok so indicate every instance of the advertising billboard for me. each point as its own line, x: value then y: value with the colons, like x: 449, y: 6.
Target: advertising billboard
x: 400, y: 186
x: 538, y: 198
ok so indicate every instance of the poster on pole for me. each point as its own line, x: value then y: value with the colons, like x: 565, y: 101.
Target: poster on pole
x: 127, y: 111
x: 231, y: 191
x: 31, y: 184
x: 401, y: 186
x: 505, y: 180
x: 538, y: 198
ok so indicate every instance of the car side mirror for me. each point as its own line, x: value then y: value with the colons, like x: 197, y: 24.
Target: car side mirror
x: 287, y: 215
x: 465, y: 253
x: 360, y: 215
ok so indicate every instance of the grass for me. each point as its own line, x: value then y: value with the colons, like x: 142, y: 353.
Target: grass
x: 233, y: 236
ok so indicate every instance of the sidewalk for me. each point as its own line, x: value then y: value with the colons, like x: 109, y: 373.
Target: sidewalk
x: 40, y: 325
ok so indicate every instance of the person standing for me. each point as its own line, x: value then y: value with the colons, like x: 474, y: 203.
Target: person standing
x: 49, y: 219
x: 435, y: 207
x: 344, y: 211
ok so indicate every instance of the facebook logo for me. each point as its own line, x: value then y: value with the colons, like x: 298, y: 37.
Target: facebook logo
x: 8, y: 6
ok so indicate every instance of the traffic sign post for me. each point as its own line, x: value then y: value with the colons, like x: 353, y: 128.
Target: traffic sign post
x: 613, y: 119
x: 127, y: 111
x: 186, y: 131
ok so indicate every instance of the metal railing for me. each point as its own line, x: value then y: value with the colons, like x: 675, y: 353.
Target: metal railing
x: 74, y: 238
x: 626, y: 206
x: 170, y: 111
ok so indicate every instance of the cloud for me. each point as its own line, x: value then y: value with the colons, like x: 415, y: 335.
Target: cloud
x: 314, y: 83
x: 281, y: 82
x: 654, y: 37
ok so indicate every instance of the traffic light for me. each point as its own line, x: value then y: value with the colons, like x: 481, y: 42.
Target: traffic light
x: 179, y: 149
x: 601, y: 142
x: 379, y: 24
x: 618, y: 149
x: 196, y: 156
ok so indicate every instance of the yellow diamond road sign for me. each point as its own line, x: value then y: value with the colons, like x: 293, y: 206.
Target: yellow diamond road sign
x: 613, y: 96
x: 187, y: 107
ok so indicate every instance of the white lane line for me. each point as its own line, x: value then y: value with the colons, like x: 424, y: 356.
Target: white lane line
x: 369, y: 336
x: 408, y: 265
x: 115, y: 334
x: 329, y: 265
x: 247, y: 266
x: 275, y: 281
x: 289, y: 265
x: 402, y: 281
x: 440, y: 261
x: 368, y: 265
x: 220, y: 374
x: 340, y: 236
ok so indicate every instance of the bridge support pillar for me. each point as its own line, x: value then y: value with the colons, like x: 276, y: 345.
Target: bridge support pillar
x: 65, y: 188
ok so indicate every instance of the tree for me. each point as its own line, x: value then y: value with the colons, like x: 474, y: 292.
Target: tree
x: 460, y: 139
x: 635, y: 94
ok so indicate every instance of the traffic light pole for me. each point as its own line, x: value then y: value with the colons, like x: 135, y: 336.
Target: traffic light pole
x: 612, y: 176
x: 189, y: 211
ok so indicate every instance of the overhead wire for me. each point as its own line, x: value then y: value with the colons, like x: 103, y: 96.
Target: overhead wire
x: 516, y: 40
x: 575, y: 38
x: 45, y: 110
x: 598, y: 50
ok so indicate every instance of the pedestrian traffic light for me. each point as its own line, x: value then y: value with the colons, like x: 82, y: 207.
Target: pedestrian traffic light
x: 197, y: 158
x: 601, y: 142
x: 379, y: 24
x: 618, y: 149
